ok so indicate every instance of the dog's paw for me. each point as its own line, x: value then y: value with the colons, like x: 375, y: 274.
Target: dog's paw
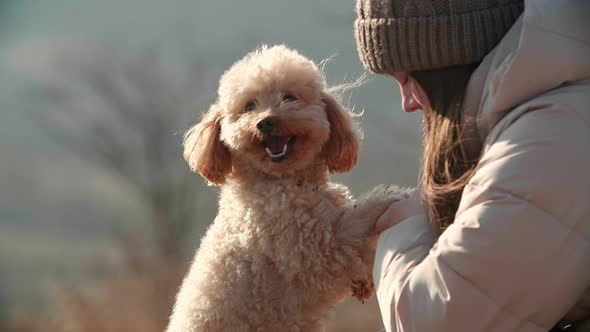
x: 382, y: 195
x: 370, y: 206
x: 359, y: 219
x: 362, y: 289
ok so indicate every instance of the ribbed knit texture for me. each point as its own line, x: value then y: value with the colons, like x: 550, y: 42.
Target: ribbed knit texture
x: 411, y: 35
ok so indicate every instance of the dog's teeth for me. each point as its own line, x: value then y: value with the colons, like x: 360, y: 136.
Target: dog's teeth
x: 280, y: 154
x: 284, y: 148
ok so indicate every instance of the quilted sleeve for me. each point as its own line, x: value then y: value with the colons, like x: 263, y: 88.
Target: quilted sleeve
x: 517, y: 256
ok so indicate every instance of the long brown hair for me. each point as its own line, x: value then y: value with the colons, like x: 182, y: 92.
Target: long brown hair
x: 446, y: 165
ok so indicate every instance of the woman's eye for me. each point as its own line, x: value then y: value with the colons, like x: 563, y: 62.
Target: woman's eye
x: 288, y: 98
x: 250, y: 106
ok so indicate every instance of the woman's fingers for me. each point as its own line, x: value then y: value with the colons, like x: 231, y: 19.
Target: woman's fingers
x: 390, y: 218
x: 400, y: 211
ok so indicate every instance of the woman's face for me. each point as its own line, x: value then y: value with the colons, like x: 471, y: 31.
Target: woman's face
x: 414, y: 97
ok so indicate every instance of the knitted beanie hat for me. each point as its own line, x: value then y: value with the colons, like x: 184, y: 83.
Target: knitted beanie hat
x: 408, y: 35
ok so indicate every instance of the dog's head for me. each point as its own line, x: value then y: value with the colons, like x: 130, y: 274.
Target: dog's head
x: 272, y: 113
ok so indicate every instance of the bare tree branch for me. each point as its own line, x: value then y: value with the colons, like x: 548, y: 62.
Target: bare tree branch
x: 122, y: 113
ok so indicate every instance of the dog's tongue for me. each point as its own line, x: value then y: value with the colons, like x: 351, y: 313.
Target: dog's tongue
x: 275, y: 143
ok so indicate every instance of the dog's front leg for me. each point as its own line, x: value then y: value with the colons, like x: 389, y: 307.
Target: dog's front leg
x: 357, y: 229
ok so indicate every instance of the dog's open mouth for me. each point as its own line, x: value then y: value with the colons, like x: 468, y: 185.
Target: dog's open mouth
x: 277, y: 147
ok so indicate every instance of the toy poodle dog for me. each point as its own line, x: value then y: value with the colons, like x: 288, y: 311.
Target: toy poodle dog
x: 286, y: 244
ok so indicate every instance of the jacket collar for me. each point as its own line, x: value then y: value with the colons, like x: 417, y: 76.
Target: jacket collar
x: 547, y: 46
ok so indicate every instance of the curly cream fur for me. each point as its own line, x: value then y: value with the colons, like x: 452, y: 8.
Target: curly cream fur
x: 286, y: 244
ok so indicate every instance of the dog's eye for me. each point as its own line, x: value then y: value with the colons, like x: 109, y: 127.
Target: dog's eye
x: 289, y: 97
x: 250, y: 106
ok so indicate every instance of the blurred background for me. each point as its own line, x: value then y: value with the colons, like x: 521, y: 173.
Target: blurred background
x: 99, y: 216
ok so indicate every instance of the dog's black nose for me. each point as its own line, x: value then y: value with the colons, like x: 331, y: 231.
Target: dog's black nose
x: 266, y: 125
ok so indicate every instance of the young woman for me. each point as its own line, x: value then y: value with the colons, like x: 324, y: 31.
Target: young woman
x: 497, y: 238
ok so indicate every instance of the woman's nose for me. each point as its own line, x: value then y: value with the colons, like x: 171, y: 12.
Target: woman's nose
x: 410, y: 104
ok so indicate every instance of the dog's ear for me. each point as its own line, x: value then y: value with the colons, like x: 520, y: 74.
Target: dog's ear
x: 204, y: 151
x: 341, y: 149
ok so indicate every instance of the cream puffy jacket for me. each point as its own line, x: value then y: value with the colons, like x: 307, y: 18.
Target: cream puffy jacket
x: 517, y: 257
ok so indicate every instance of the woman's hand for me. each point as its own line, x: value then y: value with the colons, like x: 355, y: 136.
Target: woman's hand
x: 401, y: 210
